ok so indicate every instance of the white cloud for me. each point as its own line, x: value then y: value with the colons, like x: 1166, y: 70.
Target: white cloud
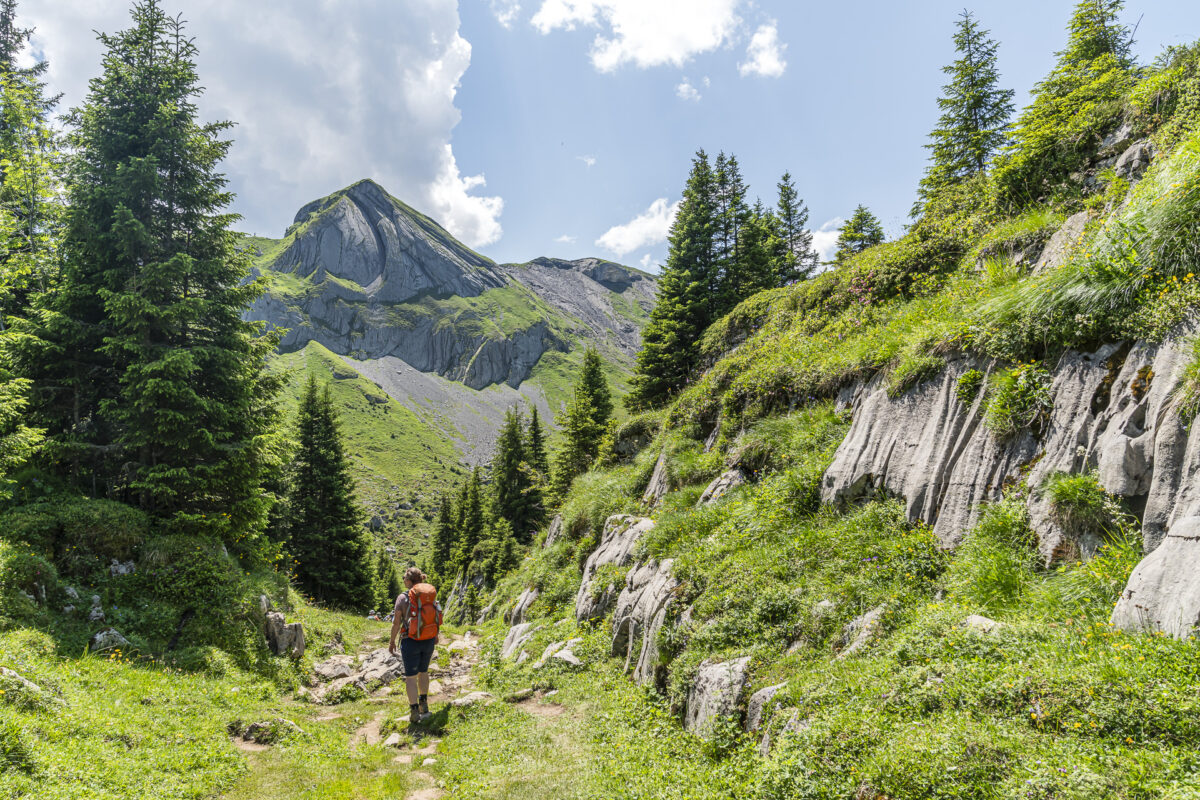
x: 565, y: 239
x: 506, y: 11
x: 765, y: 53
x: 588, y: 161
x: 825, y: 239
x: 685, y: 91
x: 645, y: 33
x: 649, y: 263
x: 323, y: 94
x: 648, y: 228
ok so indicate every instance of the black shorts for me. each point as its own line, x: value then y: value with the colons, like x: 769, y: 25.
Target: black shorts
x: 416, y: 655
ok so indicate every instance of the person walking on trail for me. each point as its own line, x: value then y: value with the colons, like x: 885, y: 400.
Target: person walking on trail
x: 416, y: 620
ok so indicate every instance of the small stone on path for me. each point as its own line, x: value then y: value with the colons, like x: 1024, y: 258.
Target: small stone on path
x: 392, y: 741
x: 429, y: 762
x: 403, y: 758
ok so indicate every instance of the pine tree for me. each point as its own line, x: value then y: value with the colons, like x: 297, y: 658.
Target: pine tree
x: 535, y: 445
x: 470, y: 532
x: 732, y: 214
x: 594, y: 386
x: 975, y: 113
x: 862, y: 231
x: 1077, y: 102
x: 670, y: 341
x: 579, y: 443
x: 796, y: 259
x: 387, y: 582
x: 759, y: 247
x: 160, y: 393
x: 444, y: 540
x: 512, y: 479
x: 325, y: 527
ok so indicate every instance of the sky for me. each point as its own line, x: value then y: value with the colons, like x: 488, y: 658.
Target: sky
x: 567, y: 127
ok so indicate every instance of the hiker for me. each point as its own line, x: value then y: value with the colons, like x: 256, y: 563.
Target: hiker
x: 416, y: 620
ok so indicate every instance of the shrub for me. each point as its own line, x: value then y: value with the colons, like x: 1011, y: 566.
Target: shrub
x: 1079, y: 505
x: 1188, y: 393
x: 966, y: 389
x: 1018, y: 399
x: 81, y: 535
x: 23, y: 572
x: 997, y: 560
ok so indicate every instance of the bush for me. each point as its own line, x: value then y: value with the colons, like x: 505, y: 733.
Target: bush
x: 82, y: 536
x: 23, y: 572
x: 1080, y: 506
x: 966, y: 389
x: 997, y: 560
x: 1018, y: 399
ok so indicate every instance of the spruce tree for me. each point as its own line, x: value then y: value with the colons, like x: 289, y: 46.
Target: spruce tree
x: 684, y: 310
x: 578, y: 444
x: 759, y: 247
x: 325, y: 526
x: 470, y: 532
x: 975, y: 113
x: 535, y: 445
x: 512, y: 478
x: 444, y: 540
x: 796, y: 260
x: 594, y: 386
x: 732, y: 214
x: 1057, y: 133
x: 160, y: 393
x: 862, y: 231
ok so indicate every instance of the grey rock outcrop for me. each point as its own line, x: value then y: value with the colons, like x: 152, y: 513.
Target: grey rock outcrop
x: 107, y: 639
x: 1133, y: 163
x: 380, y: 665
x: 1163, y: 593
x: 1063, y: 243
x: 722, y: 485
x: 859, y: 632
x: 341, y: 666
x: 978, y: 622
x: 640, y: 613
x: 516, y: 638
x: 757, y: 705
x: 284, y: 638
x: 527, y: 599
x: 617, y: 542
x: 659, y: 483
x: 715, y: 693
x: 555, y: 532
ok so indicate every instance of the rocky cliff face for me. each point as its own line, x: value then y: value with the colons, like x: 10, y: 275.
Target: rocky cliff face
x: 369, y: 278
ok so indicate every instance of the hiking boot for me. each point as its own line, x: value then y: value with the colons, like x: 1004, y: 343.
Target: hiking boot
x: 414, y: 714
x: 423, y: 705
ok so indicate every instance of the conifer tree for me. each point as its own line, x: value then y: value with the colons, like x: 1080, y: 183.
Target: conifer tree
x: 594, y: 386
x: 444, y: 540
x: 387, y: 582
x: 796, y: 259
x: 579, y: 444
x: 684, y: 310
x: 862, y: 231
x: 759, y: 248
x: 732, y: 214
x: 535, y: 445
x: 1071, y: 109
x: 975, y: 113
x: 325, y: 527
x: 471, y: 530
x: 512, y: 479
x: 160, y: 391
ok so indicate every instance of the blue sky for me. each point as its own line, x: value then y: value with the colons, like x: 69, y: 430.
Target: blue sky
x: 566, y: 127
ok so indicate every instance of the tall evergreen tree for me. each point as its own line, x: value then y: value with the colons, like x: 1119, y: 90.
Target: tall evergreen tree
x: 860, y: 232
x: 444, y: 540
x: 1071, y: 109
x: 512, y: 479
x: 975, y: 113
x: 471, y: 530
x: 796, y: 259
x: 160, y: 389
x: 535, y: 445
x: 759, y: 248
x: 578, y: 446
x: 325, y: 527
x: 594, y: 386
x: 670, y: 341
x: 732, y: 214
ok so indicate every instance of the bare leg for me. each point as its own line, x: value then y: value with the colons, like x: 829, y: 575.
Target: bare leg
x: 410, y: 686
x: 423, y: 683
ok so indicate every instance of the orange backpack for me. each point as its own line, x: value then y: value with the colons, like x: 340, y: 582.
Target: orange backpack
x: 424, y: 613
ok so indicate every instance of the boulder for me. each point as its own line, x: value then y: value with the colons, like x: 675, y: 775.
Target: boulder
x: 107, y: 639
x: 556, y: 650
x: 27, y: 687
x: 659, y: 483
x: 982, y: 624
x: 617, y: 542
x: 337, y: 667
x: 555, y: 532
x: 118, y: 568
x: 471, y: 699
x: 714, y: 694
x: 568, y: 656
x: 794, y: 724
x: 1163, y: 592
x: 516, y: 638
x: 640, y: 612
x: 72, y: 594
x: 722, y: 485
x: 1063, y: 243
x: 335, y: 691
x: 271, y: 731
x: 380, y: 665
x: 96, y: 612
x: 1133, y: 163
x: 859, y: 631
x: 393, y: 740
x: 517, y: 615
x: 758, y: 705
x: 284, y: 639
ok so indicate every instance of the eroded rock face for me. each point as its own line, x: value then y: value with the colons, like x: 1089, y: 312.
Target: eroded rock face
x: 516, y: 638
x: 556, y: 530
x: 722, y: 485
x: 527, y: 599
x: 639, y: 615
x: 715, y: 693
x: 1163, y: 593
x: 859, y: 632
x: 1063, y: 243
x: 618, y: 540
x: 659, y: 483
x: 758, y: 705
x: 284, y: 639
